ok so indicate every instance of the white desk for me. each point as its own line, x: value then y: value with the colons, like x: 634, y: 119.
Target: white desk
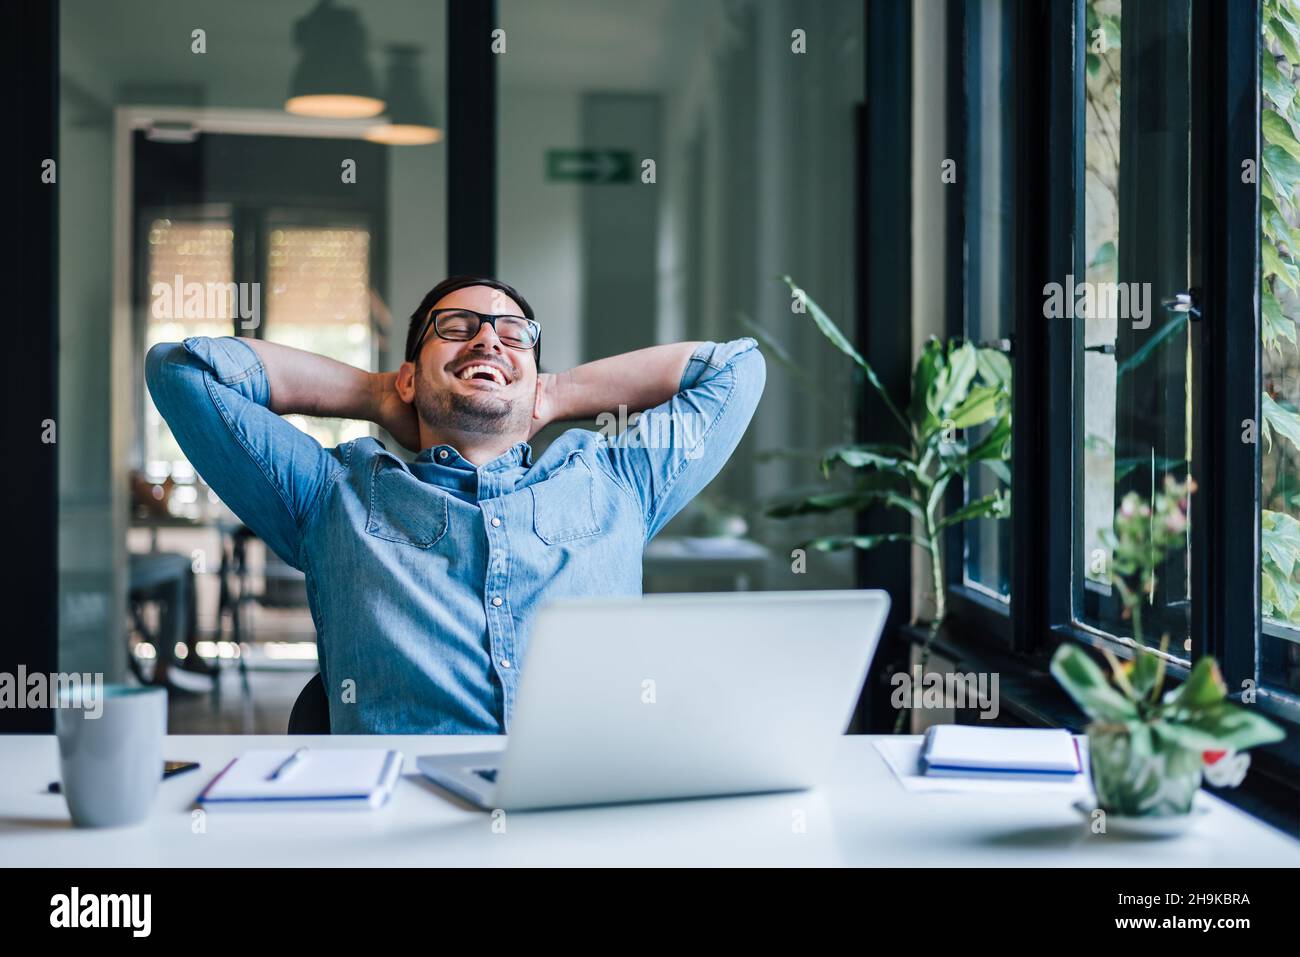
x: 860, y: 817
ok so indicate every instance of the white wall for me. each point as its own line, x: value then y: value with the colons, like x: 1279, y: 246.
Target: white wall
x: 417, y: 234
x: 539, y: 224
x: 929, y: 211
x: 92, y: 556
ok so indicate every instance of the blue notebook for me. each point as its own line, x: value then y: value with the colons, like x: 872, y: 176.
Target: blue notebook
x: 325, y: 779
x: 1035, y: 754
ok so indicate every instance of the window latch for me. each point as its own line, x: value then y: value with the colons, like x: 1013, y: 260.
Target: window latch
x: 1188, y: 302
x: 999, y: 345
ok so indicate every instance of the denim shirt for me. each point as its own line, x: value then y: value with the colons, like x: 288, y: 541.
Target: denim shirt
x: 423, y: 578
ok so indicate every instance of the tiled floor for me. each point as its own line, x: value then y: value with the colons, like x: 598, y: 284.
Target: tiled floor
x: 265, y: 710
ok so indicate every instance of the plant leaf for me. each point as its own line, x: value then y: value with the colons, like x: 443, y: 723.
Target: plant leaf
x: 1278, y: 419
x: 1152, y: 344
x: 994, y: 368
x: 879, y: 455
x: 840, y: 341
x: 1224, y: 726
x: 995, y: 445
x: 1277, y: 130
x: 980, y: 406
x: 995, y: 505
x: 1087, y: 685
x: 950, y: 390
x: 833, y: 543
x: 1276, y: 87
x: 856, y: 499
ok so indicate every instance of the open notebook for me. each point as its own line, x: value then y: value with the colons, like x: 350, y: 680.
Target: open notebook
x: 321, y: 780
x: 953, y: 750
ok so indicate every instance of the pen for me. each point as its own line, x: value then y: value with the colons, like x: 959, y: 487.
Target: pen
x: 289, y: 762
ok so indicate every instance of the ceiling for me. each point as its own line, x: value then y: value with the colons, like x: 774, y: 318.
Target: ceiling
x: 140, y: 49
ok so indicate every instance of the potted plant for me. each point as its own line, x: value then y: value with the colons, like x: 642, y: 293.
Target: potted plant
x: 955, y: 387
x: 1149, y: 748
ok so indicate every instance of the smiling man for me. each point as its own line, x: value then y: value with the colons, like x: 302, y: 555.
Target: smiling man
x: 423, y: 577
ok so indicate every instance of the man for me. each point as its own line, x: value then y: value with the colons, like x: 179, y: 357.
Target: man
x: 423, y: 578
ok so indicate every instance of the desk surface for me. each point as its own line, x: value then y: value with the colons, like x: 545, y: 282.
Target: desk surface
x: 860, y: 816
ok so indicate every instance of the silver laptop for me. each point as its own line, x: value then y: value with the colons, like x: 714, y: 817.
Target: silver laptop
x: 676, y: 696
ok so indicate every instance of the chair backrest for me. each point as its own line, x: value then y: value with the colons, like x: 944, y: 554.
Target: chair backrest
x: 311, y: 712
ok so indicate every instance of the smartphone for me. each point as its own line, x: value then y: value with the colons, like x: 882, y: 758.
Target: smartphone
x: 170, y: 770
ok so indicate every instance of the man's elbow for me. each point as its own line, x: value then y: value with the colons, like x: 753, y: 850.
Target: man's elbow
x: 161, y: 365
x: 751, y: 371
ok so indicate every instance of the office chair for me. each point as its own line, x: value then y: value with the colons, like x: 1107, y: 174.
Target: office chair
x: 311, y: 711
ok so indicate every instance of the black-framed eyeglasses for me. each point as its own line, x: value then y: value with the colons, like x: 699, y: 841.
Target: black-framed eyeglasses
x: 462, y: 325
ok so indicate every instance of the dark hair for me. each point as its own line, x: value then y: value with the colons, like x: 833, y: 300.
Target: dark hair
x: 450, y: 285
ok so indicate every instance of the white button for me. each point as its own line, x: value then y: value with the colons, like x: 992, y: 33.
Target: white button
x: 497, y: 601
x: 442, y: 453
x: 496, y: 523
x: 505, y: 662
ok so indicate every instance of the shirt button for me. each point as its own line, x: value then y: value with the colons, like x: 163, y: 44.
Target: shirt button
x: 496, y: 523
x: 505, y: 662
x: 442, y: 453
x: 497, y: 601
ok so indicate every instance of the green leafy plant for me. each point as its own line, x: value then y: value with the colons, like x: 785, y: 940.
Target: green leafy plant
x: 1279, y: 214
x: 1149, y: 747
x: 1103, y: 35
x: 955, y: 388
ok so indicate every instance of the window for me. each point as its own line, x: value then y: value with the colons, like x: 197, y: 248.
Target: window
x: 197, y: 250
x: 318, y: 299
x: 1280, y: 308
x: 1137, y: 392
x: 303, y: 271
x: 990, y: 275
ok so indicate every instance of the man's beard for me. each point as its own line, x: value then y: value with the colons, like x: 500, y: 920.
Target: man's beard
x: 480, y: 413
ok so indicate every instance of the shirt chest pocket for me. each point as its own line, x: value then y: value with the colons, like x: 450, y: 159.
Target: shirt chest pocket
x: 402, y: 508
x: 564, y: 505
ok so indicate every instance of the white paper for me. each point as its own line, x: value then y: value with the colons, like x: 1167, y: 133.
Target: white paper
x: 903, y: 755
x: 320, y: 773
x: 1010, y: 749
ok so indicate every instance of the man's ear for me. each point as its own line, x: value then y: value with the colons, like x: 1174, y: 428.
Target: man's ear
x: 406, y: 382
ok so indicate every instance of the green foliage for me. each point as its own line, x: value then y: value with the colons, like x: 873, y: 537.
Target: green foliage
x: 955, y: 388
x: 1196, y: 716
x: 1130, y: 710
x: 1279, y: 280
x: 1103, y: 36
x: 1279, y: 555
x: 1143, y: 536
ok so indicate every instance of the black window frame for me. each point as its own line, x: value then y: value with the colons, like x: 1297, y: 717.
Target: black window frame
x: 1226, y: 621
x: 972, y: 606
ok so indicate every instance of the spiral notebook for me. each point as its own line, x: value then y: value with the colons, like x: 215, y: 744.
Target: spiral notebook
x: 1029, y: 754
x: 327, y: 779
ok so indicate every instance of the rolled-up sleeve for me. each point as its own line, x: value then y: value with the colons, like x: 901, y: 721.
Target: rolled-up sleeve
x: 678, y: 447
x: 214, y: 396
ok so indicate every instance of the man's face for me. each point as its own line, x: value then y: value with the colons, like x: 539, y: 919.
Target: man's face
x: 481, y: 385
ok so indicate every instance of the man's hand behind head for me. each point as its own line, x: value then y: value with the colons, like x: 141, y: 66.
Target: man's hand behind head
x: 393, y: 414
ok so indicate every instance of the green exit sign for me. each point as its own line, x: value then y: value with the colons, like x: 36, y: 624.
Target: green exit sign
x: 589, y: 166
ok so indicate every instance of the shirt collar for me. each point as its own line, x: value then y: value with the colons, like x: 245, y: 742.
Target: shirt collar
x: 520, y: 454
